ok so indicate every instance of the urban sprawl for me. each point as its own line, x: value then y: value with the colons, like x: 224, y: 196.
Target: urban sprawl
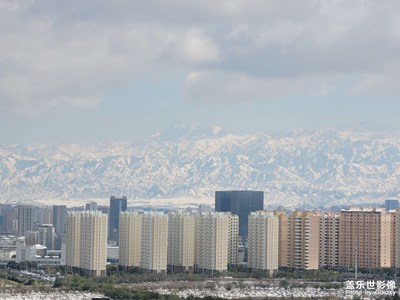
x: 237, y: 232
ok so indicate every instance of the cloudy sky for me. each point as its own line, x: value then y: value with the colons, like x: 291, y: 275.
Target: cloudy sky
x: 87, y: 71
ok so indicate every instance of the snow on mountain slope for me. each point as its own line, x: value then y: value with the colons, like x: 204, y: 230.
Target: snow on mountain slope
x: 324, y: 167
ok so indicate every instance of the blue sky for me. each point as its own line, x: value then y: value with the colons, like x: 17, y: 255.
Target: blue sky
x: 78, y: 72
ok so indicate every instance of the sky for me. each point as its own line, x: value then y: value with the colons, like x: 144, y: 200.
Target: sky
x: 98, y: 70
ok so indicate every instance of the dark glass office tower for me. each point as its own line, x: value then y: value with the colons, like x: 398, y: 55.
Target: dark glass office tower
x: 117, y: 205
x: 391, y: 204
x: 240, y: 203
x: 59, y: 224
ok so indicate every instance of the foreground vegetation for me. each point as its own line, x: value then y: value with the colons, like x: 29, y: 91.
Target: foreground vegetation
x: 137, y: 284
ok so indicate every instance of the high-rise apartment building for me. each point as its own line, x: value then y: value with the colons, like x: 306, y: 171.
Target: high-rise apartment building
x: 329, y: 240
x: 214, y: 247
x: 25, y: 219
x: 181, y: 235
x: 303, y: 240
x: 233, y: 241
x: 117, y: 205
x: 154, y: 242
x: 283, y: 237
x: 263, y: 243
x: 86, y: 246
x: 396, y: 238
x: 130, y: 235
x: 46, y: 235
x: 72, y: 241
x: 240, y: 203
x: 366, y: 235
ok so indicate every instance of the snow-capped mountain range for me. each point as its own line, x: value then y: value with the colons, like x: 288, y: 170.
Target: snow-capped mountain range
x: 322, y: 167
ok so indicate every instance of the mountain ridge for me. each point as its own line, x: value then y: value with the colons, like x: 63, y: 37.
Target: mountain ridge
x: 318, y: 168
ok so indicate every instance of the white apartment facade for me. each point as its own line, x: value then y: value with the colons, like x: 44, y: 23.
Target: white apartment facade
x: 263, y: 241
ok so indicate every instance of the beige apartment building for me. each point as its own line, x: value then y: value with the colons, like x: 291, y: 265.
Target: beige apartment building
x: 181, y: 235
x: 303, y: 240
x: 72, y: 241
x: 216, y: 241
x: 329, y: 240
x: 154, y: 242
x: 367, y: 235
x: 130, y: 236
x: 283, y: 238
x: 86, y: 242
x: 263, y: 241
x: 233, y: 241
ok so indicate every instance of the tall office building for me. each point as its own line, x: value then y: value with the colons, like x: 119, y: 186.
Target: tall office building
x: 391, y: 204
x: 5, y: 209
x: 240, y: 203
x: 329, y: 240
x: 25, y: 219
x: 154, y: 244
x: 117, y: 205
x: 368, y: 235
x: 46, y: 235
x: 42, y: 215
x: 303, y: 240
x: 91, y: 206
x: 263, y: 252
x: 59, y: 224
x: 59, y: 219
x: 86, y: 246
x: 130, y: 235
x: 214, y: 247
x: 181, y: 235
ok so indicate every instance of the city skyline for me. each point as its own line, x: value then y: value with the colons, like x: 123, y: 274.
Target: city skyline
x: 79, y: 74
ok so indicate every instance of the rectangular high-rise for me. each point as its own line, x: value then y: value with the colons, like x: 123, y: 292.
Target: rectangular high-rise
x: 263, y: 241
x: 240, y: 203
x: 283, y: 237
x: 154, y: 242
x: 86, y: 243
x: 329, y: 240
x: 366, y: 235
x: 216, y: 243
x: 59, y: 224
x: 59, y: 219
x: 181, y: 235
x: 25, y: 219
x: 391, y: 204
x: 117, y: 205
x: 130, y: 239
x: 303, y: 240
x: 46, y: 235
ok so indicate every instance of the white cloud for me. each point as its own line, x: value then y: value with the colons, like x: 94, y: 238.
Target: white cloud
x: 199, y: 48
x: 54, y: 54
